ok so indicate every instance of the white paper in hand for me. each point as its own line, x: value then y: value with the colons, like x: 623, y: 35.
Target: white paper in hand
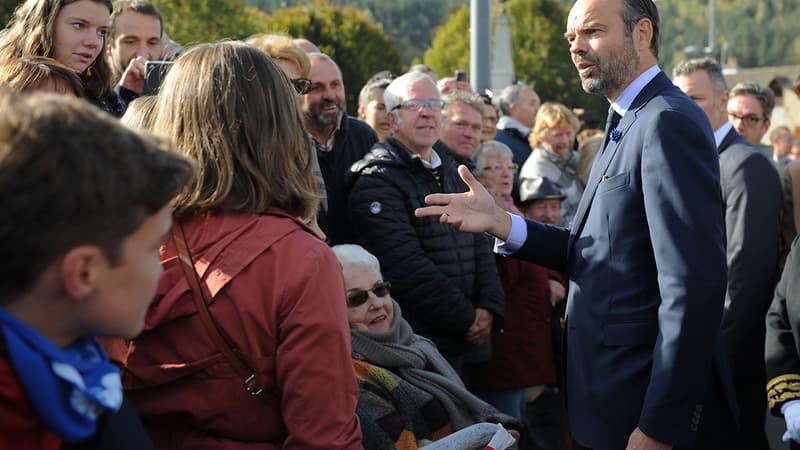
x: 501, y: 440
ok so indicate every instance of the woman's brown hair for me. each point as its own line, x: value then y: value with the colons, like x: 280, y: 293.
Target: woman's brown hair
x: 33, y: 73
x: 230, y: 107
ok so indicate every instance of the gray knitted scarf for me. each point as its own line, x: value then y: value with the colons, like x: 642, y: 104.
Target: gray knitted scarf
x: 416, y: 360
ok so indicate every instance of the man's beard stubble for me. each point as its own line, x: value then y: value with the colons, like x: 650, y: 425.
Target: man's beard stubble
x: 322, y: 121
x: 614, y: 73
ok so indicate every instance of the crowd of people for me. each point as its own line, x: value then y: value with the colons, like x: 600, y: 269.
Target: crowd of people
x: 235, y: 262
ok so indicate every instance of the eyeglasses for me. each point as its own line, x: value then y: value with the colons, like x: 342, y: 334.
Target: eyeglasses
x: 301, y: 85
x: 750, y: 119
x: 498, y: 168
x: 415, y: 104
x: 359, y: 297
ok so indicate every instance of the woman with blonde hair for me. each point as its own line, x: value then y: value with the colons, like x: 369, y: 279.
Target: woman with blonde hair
x: 553, y: 155
x: 292, y: 59
x: 73, y: 32
x: 273, y: 290
x: 140, y: 114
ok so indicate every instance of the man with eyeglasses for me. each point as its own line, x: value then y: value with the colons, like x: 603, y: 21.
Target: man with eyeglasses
x: 751, y: 190
x: 338, y: 139
x: 749, y: 110
x: 462, y: 120
x: 445, y: 280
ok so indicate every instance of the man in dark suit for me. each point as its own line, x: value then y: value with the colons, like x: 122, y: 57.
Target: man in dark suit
x: 751, y: 190
x: 645, y: 254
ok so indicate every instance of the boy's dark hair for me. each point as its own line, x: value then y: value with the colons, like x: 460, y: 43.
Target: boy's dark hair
x: 70, y: 176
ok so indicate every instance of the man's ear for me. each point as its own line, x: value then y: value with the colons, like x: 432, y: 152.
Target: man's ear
x: 643, y: 34
x: 723, y: 105
x: 80, y: 269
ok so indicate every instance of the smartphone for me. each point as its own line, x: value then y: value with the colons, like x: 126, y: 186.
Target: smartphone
x: 154, y: 72
x: 461, y: 75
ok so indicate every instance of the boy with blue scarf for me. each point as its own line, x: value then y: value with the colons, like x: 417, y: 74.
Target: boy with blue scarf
x: 85, y: 206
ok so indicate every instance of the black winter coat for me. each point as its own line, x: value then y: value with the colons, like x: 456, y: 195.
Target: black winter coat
x: 352, y: 141
x: 438, y: 275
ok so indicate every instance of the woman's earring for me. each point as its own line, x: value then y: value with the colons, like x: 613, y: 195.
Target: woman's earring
x: 89, y: 71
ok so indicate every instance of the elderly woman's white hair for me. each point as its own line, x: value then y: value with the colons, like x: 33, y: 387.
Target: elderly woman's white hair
x: 489, y: 148
x: 356, y: 256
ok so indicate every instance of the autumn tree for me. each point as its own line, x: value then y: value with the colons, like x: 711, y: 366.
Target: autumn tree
x: 197, y: 21
x: 410, y: 23
x: 450, y: 46
x: 348, y: 35
x: 541, y: 54
x: 755, y: 32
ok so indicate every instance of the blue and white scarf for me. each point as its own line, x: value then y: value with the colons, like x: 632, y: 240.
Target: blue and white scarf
x: 70, y: 387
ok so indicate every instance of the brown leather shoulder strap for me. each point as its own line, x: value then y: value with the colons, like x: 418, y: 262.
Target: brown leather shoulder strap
x: 247, y: 375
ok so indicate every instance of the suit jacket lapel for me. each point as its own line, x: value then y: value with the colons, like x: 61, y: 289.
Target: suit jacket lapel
x: 729, y: 139
x: 604, y: 159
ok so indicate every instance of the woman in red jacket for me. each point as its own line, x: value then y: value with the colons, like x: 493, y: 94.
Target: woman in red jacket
x: 274, y: 289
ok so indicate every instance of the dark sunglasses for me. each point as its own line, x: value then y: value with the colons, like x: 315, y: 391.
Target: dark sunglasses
x: 301, y: 85
x: 359, y: 297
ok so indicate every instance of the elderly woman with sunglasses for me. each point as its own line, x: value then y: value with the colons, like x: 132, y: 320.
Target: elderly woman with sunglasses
x: 408, y: 394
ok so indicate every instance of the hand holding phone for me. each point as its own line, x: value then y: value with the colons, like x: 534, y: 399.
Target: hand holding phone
x: 154, y: 73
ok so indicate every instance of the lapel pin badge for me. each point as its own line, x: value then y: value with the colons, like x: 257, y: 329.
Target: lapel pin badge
x: 616, y: 134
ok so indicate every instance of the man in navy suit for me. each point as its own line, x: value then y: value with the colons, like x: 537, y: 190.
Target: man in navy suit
x: 752, y: 193
x: 645, y: 254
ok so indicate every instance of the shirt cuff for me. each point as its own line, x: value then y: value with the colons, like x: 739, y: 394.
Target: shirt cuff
x: 516, y: 238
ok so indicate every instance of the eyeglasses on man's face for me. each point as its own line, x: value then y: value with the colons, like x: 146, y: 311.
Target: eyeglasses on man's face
x: 301, y: 85
x: 748, y: 119
x: 499, y: 168
x: 359, y: 297
x: 415, y: 104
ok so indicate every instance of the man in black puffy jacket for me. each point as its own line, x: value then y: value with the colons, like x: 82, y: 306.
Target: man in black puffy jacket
x: 445, y: 280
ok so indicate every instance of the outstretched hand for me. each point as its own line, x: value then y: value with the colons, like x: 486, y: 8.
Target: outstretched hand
x: 472, y: 211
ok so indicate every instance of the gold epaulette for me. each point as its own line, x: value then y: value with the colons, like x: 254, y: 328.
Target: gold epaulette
x: 783, y: 388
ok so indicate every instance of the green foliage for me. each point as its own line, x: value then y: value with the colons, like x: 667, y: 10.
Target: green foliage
x: 450, y: 47
x: 349, y: 36
x: 541, y: 54
x: 197, y: 21
x: 410, y: 22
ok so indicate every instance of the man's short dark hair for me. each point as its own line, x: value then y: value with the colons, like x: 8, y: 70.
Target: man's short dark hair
x: 510, y: 95
x: 709, y: 66
x: 636, y: 10
x: 763, y: 94
x: 138, y: 6
x: 462, y: 98
x: 71, y: 175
